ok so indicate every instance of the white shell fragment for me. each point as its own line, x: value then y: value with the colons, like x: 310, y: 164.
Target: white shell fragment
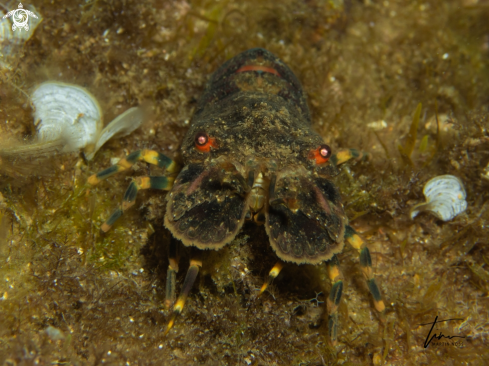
x: 122, y: 125
x: 445, y: 198
x: 71, y: 115
x: 377, y: 125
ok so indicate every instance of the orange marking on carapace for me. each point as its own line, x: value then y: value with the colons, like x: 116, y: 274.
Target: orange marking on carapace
x: 211, y: 142
x: 270, y: 70
x: 315, y: 154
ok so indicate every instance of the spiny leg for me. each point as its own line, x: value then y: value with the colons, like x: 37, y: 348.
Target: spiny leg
x: 366, y: 263
x: 343, y: 156
x: 149, y: 156
x: 334, y: 297
x: 271, y: 276
x: 171, y: 275
x: 156, y: 182
x: 193, y: 271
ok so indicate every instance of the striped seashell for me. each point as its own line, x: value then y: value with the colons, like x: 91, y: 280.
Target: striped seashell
x: 445, y: 198
x: 71, y: 115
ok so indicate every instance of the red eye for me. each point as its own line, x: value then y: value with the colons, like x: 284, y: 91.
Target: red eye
x: 321, y: 154
x: 204, y: 143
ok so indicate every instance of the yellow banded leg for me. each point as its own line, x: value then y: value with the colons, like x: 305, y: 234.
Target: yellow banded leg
x: 271, y: 276
x: 192, y: 273
x: 343, y: 156
x: 334, y: 297
x: 157, y: 182
x: 149, y: 156
x: 171, y: 275
x: 366, y: 263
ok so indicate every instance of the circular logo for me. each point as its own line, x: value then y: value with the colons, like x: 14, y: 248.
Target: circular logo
x: 20, y: 17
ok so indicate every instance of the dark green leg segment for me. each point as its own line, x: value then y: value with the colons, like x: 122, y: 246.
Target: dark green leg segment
x: 171, y: 278
x: 374, y: 290
x: 149, y: 156
x: 334, y: 297
x: 158, y: 182
x: 365, y: 259
x: 171, y: 275
x: 112, y: 219
x: 349, y: 232
x: 131, y: 193
x: 333, y: 327
x: 193, y: 271
x: 336, y: 292
x: 355, y: 153
x: 163, y: 161
x: 104, y: 174
x: 366, y: 264
x: 163, y: 183
x: 133, y: 157
x: 344, y: 155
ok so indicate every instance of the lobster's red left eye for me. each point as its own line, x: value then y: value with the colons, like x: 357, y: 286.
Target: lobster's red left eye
x: 204, y: 143
x: 321, y: 154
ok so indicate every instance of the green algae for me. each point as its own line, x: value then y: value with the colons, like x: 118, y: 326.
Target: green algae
x: 408, y: 148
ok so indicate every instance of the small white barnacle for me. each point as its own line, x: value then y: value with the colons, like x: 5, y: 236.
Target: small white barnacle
x: 71, y: 115
x: 377, y: 125
x: 445, y: 198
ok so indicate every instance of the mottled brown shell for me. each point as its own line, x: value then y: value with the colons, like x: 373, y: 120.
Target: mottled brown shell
x: 256, y: 114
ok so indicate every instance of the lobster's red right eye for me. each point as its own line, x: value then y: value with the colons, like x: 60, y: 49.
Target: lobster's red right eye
x: 204, y: 143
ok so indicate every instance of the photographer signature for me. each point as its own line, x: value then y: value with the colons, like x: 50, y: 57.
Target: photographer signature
x: 439, y: 336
